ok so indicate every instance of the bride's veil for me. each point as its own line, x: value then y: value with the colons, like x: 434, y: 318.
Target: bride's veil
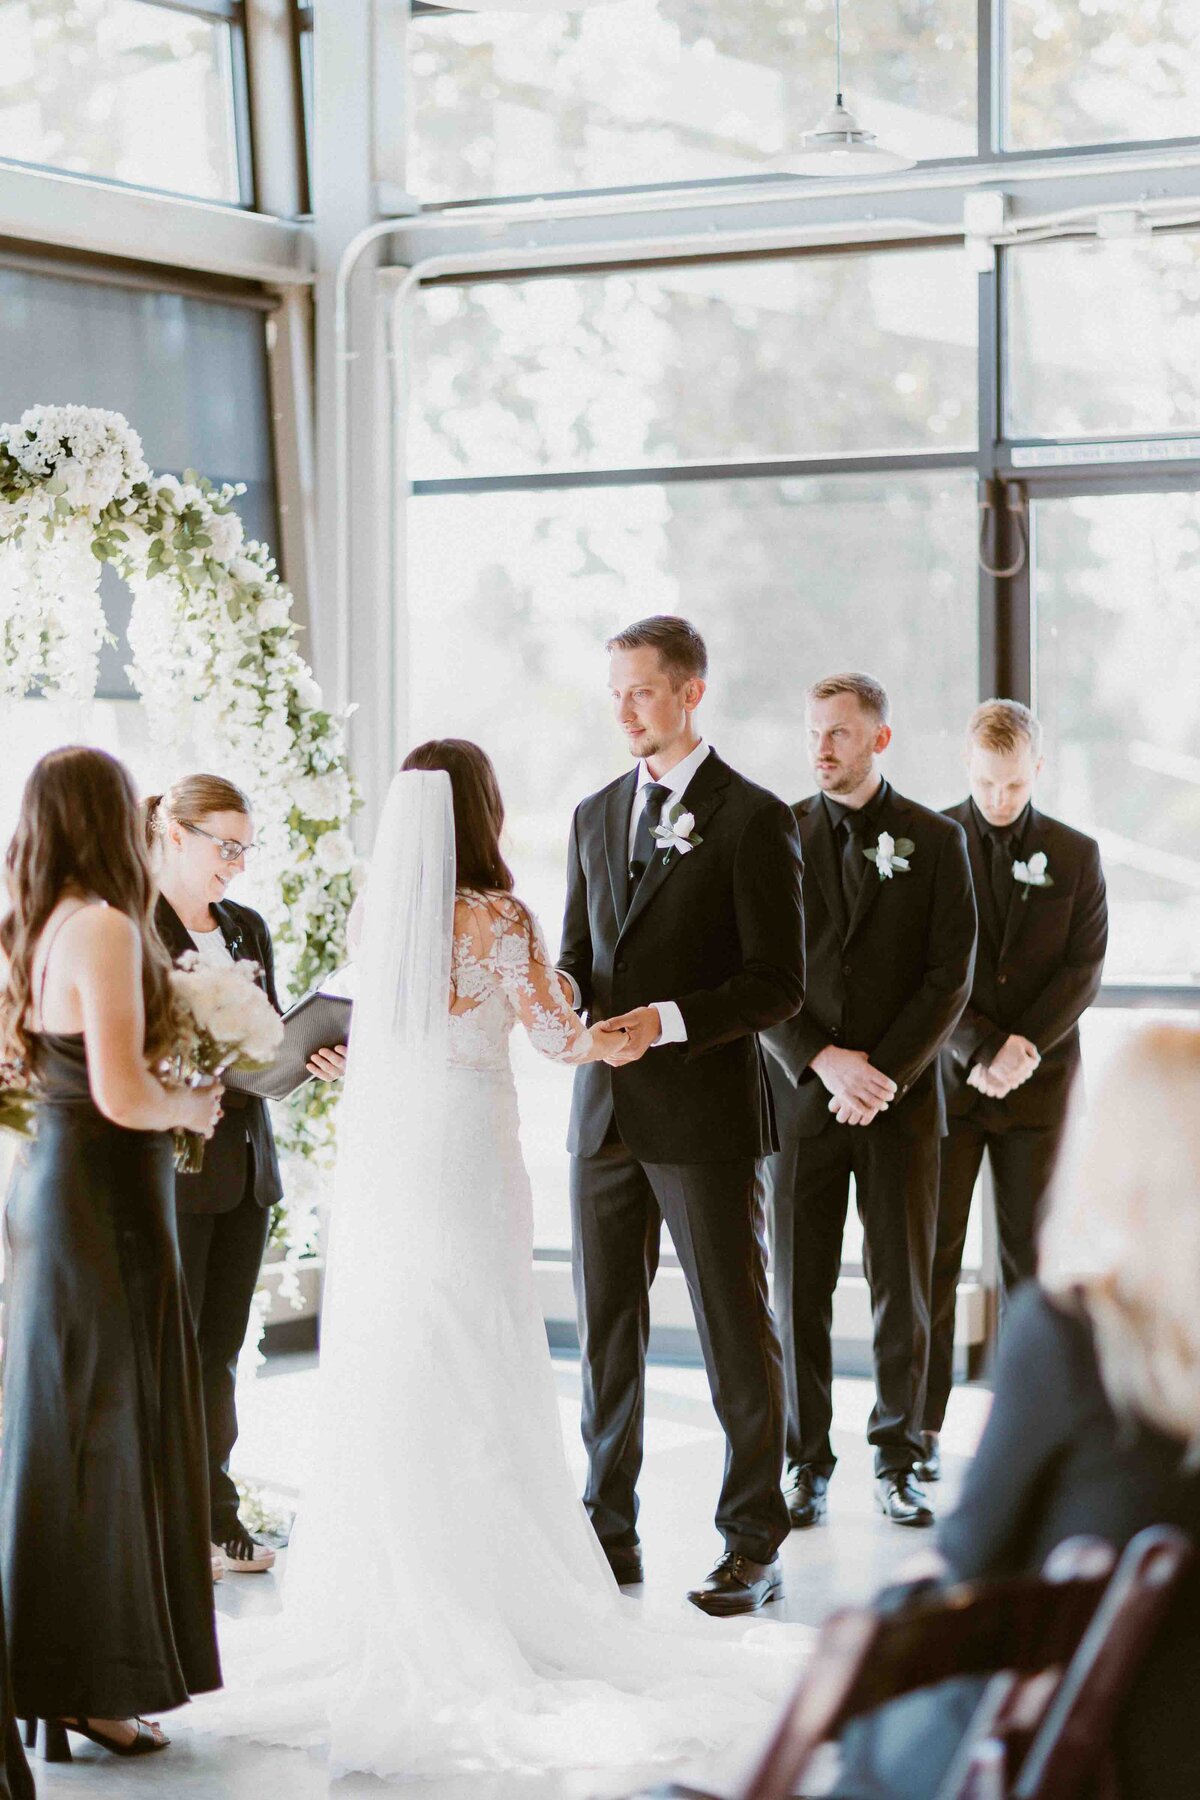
x: 345, y: 1568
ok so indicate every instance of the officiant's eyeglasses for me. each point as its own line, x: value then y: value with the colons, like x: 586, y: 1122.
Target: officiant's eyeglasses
x: 229, y: 848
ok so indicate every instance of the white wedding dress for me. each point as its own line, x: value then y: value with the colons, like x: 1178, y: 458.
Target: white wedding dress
x: 447, y: 1606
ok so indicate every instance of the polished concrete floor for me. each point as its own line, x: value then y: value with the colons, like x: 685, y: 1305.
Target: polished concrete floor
x: 844, y: 1560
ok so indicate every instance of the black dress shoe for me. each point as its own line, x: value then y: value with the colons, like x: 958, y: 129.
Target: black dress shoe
x: 807, y: 1496
x: 930, y: 1466
x: 625, y: 1561
x: 901, y: 1500
x: 738, y: 1585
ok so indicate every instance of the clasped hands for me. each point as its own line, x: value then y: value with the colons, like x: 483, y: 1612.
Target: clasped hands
x: 1013, y: 1064
x: 631, y: 1035
x: 857, y: 1092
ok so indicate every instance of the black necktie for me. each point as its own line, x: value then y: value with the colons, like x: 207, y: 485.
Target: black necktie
x: 643, y: 838
x: 1000, y: 852
x: 853, y: 861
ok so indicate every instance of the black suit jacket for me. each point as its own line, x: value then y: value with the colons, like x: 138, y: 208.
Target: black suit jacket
x: 721, y: 932
x: 1037, y: 971
x: 220, y: 1184
x: 892, y: 980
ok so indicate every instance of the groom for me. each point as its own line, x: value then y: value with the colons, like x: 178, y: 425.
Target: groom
x: 684, y: 932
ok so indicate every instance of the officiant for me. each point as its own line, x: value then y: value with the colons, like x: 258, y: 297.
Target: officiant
x: 201, y: 835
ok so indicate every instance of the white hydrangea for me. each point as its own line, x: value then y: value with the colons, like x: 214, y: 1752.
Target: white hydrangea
x: 207, y: 675
x: 334, y: 852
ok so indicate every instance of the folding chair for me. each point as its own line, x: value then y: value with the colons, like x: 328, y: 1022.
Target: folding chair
x: 1024, y: 1632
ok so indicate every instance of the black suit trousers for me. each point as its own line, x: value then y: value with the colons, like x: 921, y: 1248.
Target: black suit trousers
x: 714, y: 1214
x: 895, y: 1179
x: 221, y: 1255
x: 1022, y: 1159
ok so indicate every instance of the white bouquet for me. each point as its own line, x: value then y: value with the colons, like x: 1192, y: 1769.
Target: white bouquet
x: 225, y: 1021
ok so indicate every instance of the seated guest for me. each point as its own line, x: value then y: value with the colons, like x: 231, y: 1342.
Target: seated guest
x: 200, y: 834
x: 1011, y: 1060
x: 1095, y: 1427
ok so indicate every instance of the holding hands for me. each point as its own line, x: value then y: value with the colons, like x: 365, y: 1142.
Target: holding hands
x: 858, y: 1092
x: 627, y: 1038
x: 1013, y: 1064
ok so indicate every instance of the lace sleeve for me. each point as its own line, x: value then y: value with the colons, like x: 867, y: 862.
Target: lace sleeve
x: 523, y: 969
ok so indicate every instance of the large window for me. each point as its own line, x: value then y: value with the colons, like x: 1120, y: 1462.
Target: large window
x: 715, y: 362
x: 1101, y: 71
x: 1117, y: 673
x: 1103, y: 337
x: 190, y: 374
x: 127, y: 90
x: 643, y: 91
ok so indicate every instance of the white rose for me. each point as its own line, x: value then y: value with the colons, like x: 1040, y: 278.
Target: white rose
x: 334, y: 852
x: 1037, y: 864
x: 684, y: 825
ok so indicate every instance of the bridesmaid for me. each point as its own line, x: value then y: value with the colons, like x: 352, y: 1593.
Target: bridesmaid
x: 103, y: 1491
x: 201, y: 834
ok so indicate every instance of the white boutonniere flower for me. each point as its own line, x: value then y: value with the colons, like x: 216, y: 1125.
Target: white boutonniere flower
x: 677, y: 832
x: 1033, y: 873
x: 891, y: 855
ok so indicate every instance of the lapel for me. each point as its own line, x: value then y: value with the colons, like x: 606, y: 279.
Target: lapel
x: 891, y: 816
x: 171, y: 929
x: 820, y: 855
x: 703, y: 796
x: 1018, y: 909
x: 231, y: 930
x: 617, y: 808
x: 981, y: 873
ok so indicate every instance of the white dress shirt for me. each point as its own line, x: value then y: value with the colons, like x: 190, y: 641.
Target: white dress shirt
x: 673, y: 1031
x: 676, y: 780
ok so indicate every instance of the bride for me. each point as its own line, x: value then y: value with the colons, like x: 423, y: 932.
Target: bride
x: 447, y: 1606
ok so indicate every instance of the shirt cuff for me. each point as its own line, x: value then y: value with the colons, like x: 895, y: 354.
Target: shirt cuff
x: 576, y: 996
x: 674, y: 1031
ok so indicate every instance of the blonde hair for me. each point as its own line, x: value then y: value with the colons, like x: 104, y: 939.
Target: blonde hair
x: 870, y: 694
x: 1122, y: 1234
x: 1005, y: 725
x: 187, y: 801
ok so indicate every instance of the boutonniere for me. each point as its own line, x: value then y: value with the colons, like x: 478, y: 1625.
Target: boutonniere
x: 677, y: 832
x: 891, y: 854
x: 1033, y: 873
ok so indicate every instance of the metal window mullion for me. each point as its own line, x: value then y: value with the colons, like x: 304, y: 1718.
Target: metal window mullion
x: 215, y: 11
x: 988, y: 67
x: 239, y: 51
x: 666, y: 474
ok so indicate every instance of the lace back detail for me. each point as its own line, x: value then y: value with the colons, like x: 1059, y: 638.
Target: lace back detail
x: 500, y: 974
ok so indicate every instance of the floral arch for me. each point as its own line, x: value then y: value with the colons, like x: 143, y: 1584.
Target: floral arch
x: 215, y: 658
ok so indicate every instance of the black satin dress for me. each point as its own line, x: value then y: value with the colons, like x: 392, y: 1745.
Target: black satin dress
x: 104, y: 1553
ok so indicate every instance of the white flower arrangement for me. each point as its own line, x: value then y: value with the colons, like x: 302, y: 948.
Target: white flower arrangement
x: 677, y: 832
x: 225, y: 1021
x: 891, y: 855
x: 1032, y: 874
x: 214, y: 652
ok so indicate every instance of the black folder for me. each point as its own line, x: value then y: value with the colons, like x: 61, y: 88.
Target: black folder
x: 317, y: 1022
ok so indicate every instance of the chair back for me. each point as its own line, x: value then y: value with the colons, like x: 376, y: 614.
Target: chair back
x: 915, y: 1637
x: 1067, y: 1757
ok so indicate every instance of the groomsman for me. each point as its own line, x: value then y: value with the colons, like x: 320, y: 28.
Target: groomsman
x: 890, y: 925
x: 1010, y: 1064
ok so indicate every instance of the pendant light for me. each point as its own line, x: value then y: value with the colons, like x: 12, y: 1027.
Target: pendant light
x: 839, y: 145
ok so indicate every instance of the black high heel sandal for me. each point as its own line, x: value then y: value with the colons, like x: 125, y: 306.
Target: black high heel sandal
x: 48, y: 1738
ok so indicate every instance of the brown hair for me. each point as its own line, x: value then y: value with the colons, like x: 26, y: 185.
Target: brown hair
x: 870, y: 694
x: 79, y: 827
x: 189, y: 799
x: 478, y: 810
x: 680, y: 647
x: 1005, y: 725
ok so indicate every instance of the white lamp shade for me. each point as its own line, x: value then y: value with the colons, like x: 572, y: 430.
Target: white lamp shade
x: 839, y: 145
